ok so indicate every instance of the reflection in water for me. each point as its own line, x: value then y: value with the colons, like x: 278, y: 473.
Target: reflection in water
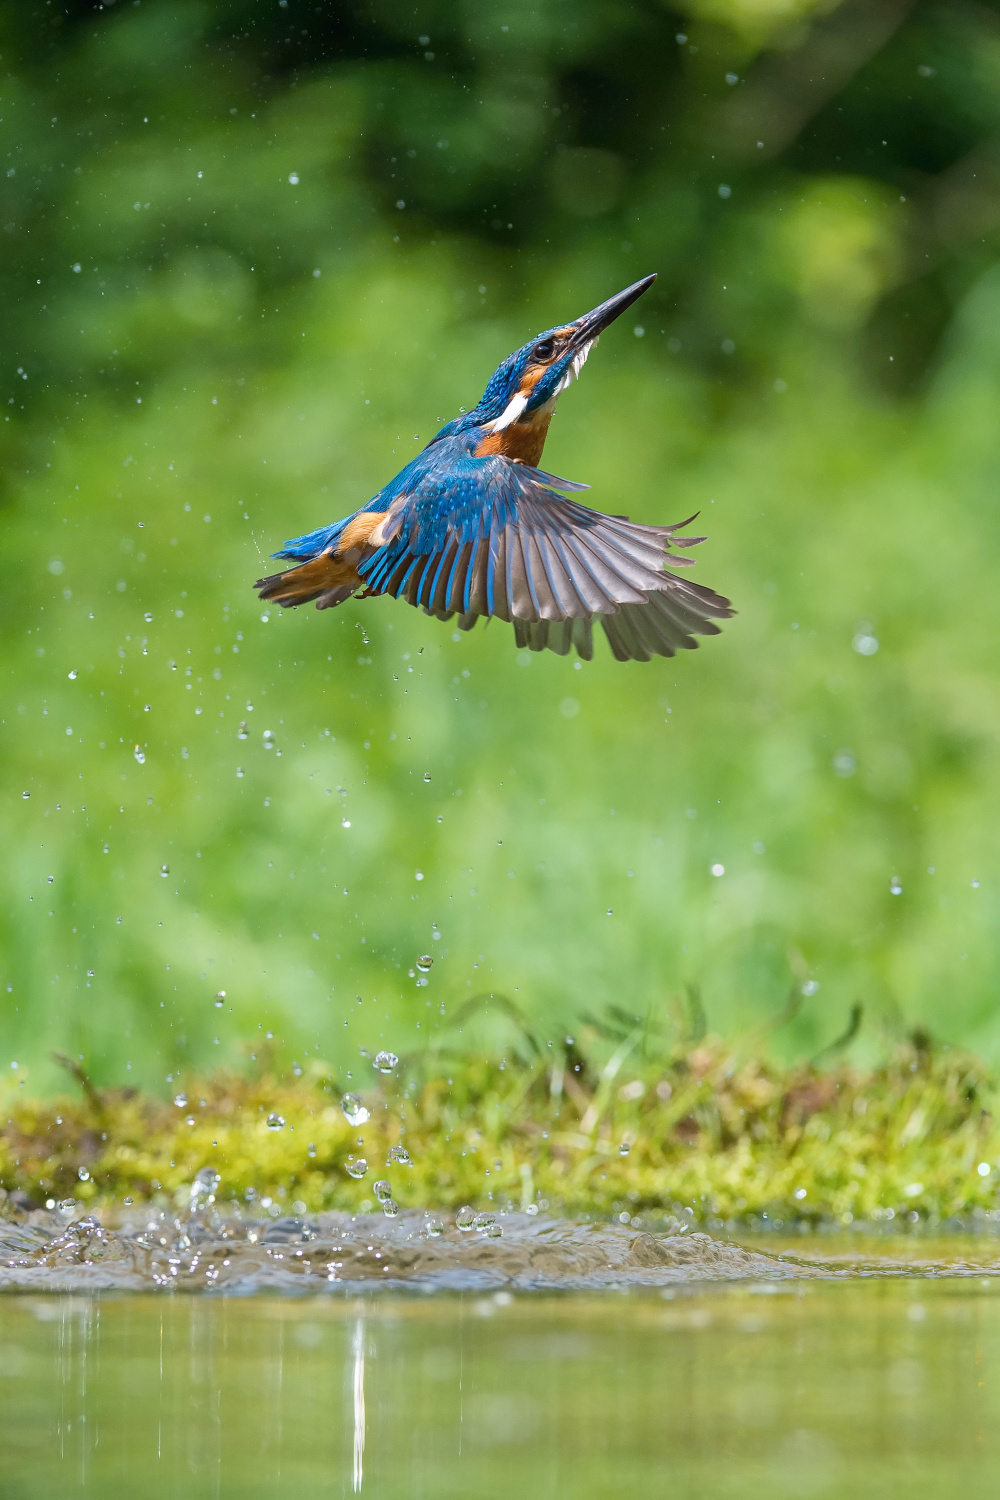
x: 359, y: 1404
x: 811, y: 1388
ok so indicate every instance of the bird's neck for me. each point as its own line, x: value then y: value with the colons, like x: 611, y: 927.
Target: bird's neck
x: 523, y: 440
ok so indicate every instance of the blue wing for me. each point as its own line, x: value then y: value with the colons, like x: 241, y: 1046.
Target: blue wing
x: 489, y: 536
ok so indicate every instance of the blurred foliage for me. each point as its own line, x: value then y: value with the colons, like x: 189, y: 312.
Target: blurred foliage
x: 251, y: 253
x: 706, y: 1133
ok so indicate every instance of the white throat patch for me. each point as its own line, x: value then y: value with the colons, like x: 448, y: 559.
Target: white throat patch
x: 576, y: 364
x: 515, y: 406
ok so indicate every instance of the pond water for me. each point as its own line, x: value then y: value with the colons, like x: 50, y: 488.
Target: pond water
x: 689, y: 1367
x: 804, y: 1388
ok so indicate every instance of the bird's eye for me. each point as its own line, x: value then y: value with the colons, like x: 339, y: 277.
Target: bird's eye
x: 544, y: 349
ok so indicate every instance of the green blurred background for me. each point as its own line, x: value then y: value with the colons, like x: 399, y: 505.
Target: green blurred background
x: 253, y: 251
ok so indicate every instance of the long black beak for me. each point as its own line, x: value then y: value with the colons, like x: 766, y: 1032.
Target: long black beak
x: 587, y: 328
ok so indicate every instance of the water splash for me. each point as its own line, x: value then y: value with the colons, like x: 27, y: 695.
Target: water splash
x: 203, y: 1188
x: 354, y: 1111
x: 340, y: 1253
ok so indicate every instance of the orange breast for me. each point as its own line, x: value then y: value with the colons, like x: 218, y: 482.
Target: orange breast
x: 521, y: 440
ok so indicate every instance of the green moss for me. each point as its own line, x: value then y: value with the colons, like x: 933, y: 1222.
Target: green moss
x: 725, y: 1137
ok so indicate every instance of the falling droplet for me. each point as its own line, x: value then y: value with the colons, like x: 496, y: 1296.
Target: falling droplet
x: 465, y: 1219
x: 624, y: 1149
x: 425, y: 963
x: 345, y: 822
x: 140, y: 755
x: 203, y: 1188
x: 482, y: 1222
x: 25, y: 795
x: 83, y: 1174
x: 354, y: 1110
x: 357, y: 1168
x: 275, y: 1122
x: 243, y: 733
x: 398, y: 1154
x: 427, y: 775
x: 895, y: 886
x: 220, y: 996
x: 72, y: 675
x: 384, y: 1062
x: 164, y: 871
x: 128, y: 1202
x: 390, y: 1208
x: 383, y: 1190
x: 181, y: 1101
x: 311, y: 1150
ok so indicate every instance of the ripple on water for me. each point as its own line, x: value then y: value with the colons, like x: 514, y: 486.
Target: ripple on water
x: 207, y: 1251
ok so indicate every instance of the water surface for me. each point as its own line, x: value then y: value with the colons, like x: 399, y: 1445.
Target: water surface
x: 803, y: 1387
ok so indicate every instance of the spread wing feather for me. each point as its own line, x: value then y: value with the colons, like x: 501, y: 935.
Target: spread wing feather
x: 469, y: 537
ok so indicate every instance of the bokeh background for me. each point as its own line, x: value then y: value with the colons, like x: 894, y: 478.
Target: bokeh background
x: 252, y: 253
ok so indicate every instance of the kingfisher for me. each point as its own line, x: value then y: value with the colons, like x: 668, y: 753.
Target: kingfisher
x: 472, y: 528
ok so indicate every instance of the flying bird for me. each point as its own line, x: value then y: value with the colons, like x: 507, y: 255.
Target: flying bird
x: 473, y: 528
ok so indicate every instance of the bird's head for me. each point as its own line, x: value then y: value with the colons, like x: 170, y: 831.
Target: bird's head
x: 525, y: 387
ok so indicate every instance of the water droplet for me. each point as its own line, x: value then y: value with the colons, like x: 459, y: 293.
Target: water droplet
x: 25, y: 795
x: 384, y: 1062
x: 83, y: 1174
x: 494, y: 1232
x: 624, y: 1149
x: 482, y: 1222
x: 717, y: 870
x: 219, y: 998
x: 243, y: 733
x: 383, y: 1190
x: 895, y: 886
x: 181, y: 1101
x: 357, y: 1168
x: 275, y: 1122
x: 354, y: 1110
x: 390, y: 1208
x: 128, y: 1202
x: 203, y: 1188
x: 311, y: 1150
x: 398, y: 1154
x: 345, y: 822
x: 427, y: 775
x: 465, y: 1219
x: 164, y: 871
x: 66, y: 1207
x: 72, y: 675
x: 140, y: 755
x: 864, y: 643
x: 425, y: 963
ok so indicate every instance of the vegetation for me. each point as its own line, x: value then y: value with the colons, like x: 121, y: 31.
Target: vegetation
x: 705, y: 1133
x: 249, y: 250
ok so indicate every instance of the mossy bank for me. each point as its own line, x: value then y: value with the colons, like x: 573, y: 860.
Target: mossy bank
x: 704, y: 1131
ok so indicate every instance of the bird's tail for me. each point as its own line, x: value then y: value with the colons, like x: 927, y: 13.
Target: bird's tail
x: 323, y: 578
